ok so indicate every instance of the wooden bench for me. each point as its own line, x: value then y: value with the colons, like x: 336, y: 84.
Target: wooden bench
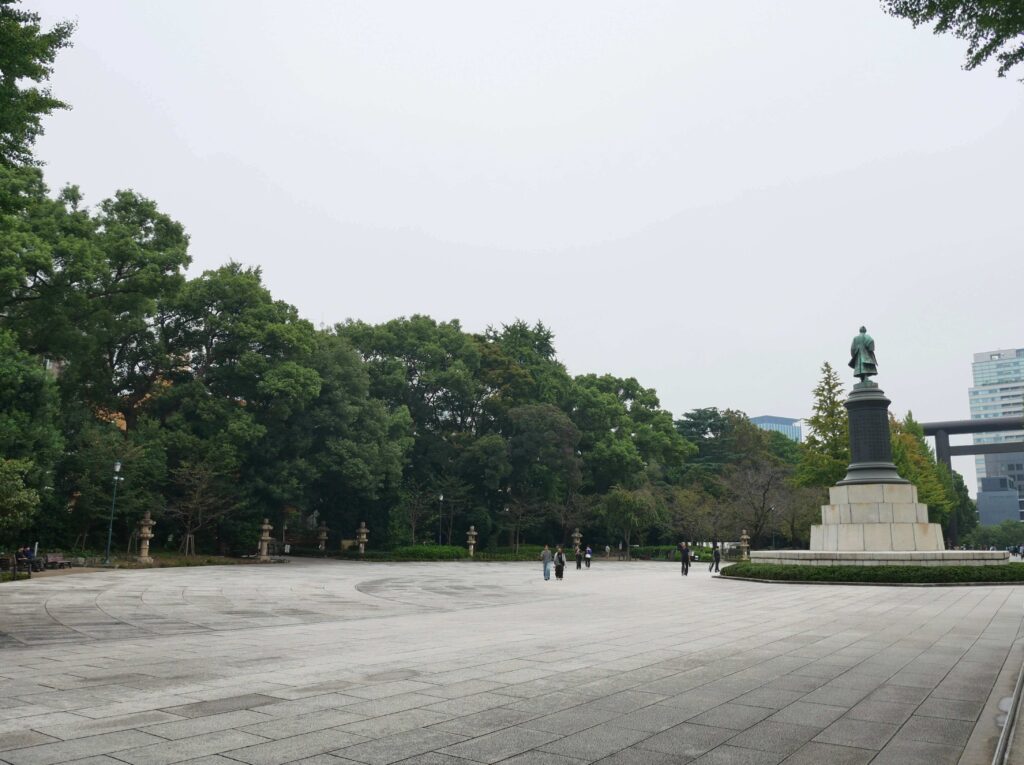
x: 56, y: 560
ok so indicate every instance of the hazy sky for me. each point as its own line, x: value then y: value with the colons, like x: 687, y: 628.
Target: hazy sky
x: 710, y: 197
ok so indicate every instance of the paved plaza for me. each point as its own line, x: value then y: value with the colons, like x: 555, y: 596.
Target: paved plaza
x: 461, y: 663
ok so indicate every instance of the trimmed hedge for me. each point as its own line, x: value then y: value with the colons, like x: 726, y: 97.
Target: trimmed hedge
x: 1011, y: 572
x: 429, y: 552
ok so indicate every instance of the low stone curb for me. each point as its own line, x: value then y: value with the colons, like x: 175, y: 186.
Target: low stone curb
x: 874, y: 584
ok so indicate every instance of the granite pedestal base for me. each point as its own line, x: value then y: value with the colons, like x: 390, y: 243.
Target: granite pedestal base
x: 883, y: 558
x: 877, y: 524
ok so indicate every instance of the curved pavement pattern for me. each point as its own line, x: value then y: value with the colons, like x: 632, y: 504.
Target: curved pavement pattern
x: 460, y: 663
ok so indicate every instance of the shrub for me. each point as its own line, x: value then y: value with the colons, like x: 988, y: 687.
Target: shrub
x: 429, y: 552
x: 1011, y: 572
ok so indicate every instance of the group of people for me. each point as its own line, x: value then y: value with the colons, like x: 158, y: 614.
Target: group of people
x: 26, y: 556
x: 584, y: 554
x: 687, y: 557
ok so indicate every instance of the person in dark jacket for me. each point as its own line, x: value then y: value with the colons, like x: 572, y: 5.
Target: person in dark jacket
x: 579, y: 557
x: 559, y: 563
x: 716, y: 557
x: 684, y: 552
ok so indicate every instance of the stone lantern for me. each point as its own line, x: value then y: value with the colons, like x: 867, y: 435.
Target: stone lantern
x: 265, y: 529
x: 471, y: 539
x: 145, y: 534
x: 321, y: 535
x: 744, y: 546
x: 361, y: 534
x: 576, y: 537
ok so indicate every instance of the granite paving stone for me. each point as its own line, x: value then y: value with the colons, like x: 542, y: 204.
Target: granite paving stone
x: 771, y: 736
x: 735, y: 716
x: 182, y: 749
x: 398, y: 747
x: 951, y: 709
x: 858, y: 733
x: 337, y: 662
x: 500, y: 745
x: 595, y: 743
x: 286, y: 727
x: 816, y: 753
x: 79, y: 748
x: 294, y: 747
x: 688, y: 740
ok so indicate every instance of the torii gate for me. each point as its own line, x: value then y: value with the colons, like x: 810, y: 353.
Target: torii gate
x: 943, y: 430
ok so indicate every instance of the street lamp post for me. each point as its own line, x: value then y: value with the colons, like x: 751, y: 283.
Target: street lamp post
x: 113, y: 504
x: 440, y: 516
x: 773, y: 526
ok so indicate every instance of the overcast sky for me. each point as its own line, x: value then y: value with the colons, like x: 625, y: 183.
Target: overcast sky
x: 710, y: 197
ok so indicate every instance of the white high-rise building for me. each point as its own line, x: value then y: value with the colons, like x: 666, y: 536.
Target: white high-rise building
x: 998, y: 391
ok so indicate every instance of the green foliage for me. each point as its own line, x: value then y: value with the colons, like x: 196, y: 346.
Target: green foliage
x: 990, y: 27
x: 18, y: 501
x: 429, y: 552
x: 27, y: 53
x: 1010, y: 572
x: 826, y: 451
x: 1006, y: 534
x: 915, y: 461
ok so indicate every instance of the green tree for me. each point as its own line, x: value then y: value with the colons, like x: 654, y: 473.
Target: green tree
x: 722, y: 439
x: 826, y: 452
x: 992, y: 28
x: 626, y: 511
x: 18, y: 501
x: 27, y: 53
x: 915, y: 461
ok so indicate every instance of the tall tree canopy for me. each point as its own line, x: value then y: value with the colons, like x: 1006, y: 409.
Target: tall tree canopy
x: 992, y: 28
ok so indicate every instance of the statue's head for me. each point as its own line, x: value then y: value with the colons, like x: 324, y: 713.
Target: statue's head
x: 863, y: 330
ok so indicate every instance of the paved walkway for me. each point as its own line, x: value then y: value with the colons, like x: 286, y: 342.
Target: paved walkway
x: 461, y: 663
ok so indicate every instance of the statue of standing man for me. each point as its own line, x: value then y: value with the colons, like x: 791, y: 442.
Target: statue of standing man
x: 862, y: 356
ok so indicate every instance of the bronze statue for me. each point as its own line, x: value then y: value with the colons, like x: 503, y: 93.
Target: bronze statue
x: 862, y: 356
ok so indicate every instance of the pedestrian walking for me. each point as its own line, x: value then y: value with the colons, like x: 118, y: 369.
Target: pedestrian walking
x: 621, y: 556
x: 608, y: 551
x: 588, y: 555
x: 716, y: 557
x: 684, y: 551
x: 579, y: 558
x: 559, y: 563
x: 545, y: 557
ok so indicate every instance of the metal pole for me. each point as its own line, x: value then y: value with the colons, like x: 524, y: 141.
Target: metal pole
x: 113, y: 504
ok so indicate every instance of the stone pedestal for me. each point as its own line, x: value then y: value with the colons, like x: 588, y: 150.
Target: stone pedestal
x: 883, y: 524
x: 878, y: 517
x: 870, y: 442
x: 471, y: 539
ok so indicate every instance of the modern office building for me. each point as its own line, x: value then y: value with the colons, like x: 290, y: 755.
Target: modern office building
x: 998, y: 501
x: 787, y: 426
x: 998, y: 391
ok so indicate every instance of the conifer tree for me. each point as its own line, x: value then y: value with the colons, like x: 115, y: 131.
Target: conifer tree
x: 826, y: 451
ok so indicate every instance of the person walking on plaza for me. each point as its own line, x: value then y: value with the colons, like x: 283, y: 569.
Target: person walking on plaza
x: 559, y: 563
x: 684, y: 551
x: 716, y: 557
x: 545, y: 556
x: 588, y: 555
x: 579, y: 557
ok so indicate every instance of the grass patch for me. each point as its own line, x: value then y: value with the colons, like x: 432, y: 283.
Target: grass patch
x: 1011, y: 572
